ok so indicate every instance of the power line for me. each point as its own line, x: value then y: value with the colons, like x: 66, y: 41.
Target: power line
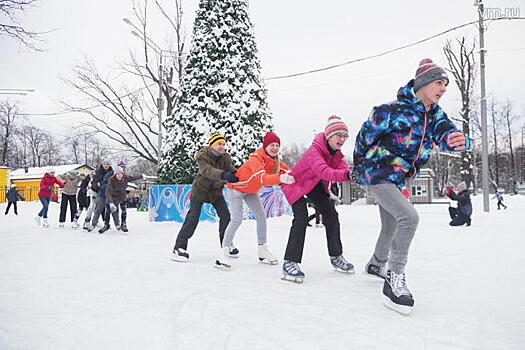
x: 338, y: 82
x: 385, y: 52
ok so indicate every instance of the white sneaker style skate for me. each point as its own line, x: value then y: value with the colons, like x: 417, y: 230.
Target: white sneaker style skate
x: 60, y: 225
x: 265, y: 256
x: 222, y: 262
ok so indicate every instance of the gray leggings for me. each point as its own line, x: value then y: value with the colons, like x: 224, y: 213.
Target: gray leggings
x: 399, y: 222
x: 236, y: 211
x: 100, y: 204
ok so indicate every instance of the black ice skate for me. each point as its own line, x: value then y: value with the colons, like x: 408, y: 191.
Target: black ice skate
x: 396, y: 294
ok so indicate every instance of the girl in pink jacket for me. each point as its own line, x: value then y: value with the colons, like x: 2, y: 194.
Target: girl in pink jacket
x: 321, y: 164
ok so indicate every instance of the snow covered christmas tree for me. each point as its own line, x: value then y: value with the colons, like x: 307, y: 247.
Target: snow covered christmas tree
x: 221, y: 91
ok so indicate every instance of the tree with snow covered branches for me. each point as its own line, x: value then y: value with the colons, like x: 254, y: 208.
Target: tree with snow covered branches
x: 462, y: 65
x: 221, y: 91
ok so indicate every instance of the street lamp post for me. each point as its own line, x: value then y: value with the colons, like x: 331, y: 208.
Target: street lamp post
x: 484, y: 139
x: 161, y: 53
x: 160, y: 107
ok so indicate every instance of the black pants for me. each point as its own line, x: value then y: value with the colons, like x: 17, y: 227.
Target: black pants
x: 458, y: 218
x: 192, y: 219
x: 123, y: 215
x: 9, y: 206
x: 294, y: 248
x: 500, y: 203
x: 72, y: 199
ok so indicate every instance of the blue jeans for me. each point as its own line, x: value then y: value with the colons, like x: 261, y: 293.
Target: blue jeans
x: 45, y: 206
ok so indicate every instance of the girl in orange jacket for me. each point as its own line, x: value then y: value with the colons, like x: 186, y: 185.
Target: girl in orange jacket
x: 262, y: 168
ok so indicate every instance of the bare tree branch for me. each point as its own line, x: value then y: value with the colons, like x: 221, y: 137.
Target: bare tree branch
x: 14, y: 29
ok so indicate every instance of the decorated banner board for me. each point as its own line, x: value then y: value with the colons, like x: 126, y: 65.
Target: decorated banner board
x: 172, y: 203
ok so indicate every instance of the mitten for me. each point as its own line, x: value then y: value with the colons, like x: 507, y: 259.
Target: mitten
x: 228, y: 176
x: 286, y: 179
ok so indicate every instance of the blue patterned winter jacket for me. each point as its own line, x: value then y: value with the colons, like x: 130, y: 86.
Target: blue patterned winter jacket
x: 398, y: 138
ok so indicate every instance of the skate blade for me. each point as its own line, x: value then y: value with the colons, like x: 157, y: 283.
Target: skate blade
x: 402, y: 309
x: 222, y: 266
x: 235, y: 256
x: 179, y: 259
x: 269, y: 262
x: 292, y: 279
x: 344, y: 271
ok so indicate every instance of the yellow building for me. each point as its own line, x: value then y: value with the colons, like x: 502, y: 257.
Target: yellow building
x: 27, y: 180
x: 4, y: 182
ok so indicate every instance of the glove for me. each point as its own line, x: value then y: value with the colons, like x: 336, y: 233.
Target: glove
x: 228, y: 176
x: 286, y: 179
x: 112, y: 207
x: 352, y: 176
x: 50, y: 187
x: 448, y: 191
x: 405, y: 192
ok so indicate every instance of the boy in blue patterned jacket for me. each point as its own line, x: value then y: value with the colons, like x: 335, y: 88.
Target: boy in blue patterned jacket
x: 390, y: 148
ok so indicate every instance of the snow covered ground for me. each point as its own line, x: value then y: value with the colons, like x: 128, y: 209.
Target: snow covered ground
x: 68, y: 289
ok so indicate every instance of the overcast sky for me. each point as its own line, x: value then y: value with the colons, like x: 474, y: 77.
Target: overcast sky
x: 292, y: 36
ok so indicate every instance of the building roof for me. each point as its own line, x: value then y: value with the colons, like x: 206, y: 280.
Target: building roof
x: 38, y: 172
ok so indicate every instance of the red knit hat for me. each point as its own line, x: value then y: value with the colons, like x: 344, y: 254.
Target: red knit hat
x: 270, y: 137
x: 335, y: 125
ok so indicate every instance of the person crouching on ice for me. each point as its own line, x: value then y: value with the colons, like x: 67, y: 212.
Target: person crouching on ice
x: 460, y: 215
x: 321, y: 163
x: 391, y: 147
x: 262, y: 168
x: 215, y: 168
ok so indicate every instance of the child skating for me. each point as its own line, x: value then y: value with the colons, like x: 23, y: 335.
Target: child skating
x: 322, y: 163
x: 262, y: 168
x: 390, y: 148
x: 215, y: 168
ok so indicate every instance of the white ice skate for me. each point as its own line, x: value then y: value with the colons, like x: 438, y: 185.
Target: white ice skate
x: 265, y: 256
x: 45, y: 223
x: 222, y: 261
x: 37, y: 220
x: 60, y: 225
x: 75, y: 225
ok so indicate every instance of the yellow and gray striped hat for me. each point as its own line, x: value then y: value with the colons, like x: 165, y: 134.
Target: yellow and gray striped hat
x: 215, y: 138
